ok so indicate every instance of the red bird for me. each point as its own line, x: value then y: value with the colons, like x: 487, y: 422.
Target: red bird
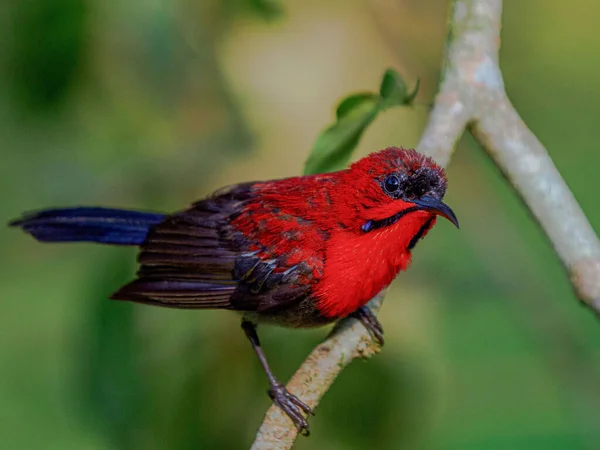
x: 299, y: 252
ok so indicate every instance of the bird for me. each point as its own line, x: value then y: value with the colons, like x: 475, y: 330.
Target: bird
x: 299, y: 252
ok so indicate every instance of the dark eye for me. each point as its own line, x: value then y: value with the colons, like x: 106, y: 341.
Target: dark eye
x: 391, y: 183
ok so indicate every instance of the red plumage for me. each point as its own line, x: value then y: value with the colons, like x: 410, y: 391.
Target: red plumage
x: 318, y: 219
x: 299, y: 252
x: 293, y: 251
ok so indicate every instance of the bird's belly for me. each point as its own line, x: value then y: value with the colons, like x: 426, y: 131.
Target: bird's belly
x: 356, y: 270
x: 303, y: 314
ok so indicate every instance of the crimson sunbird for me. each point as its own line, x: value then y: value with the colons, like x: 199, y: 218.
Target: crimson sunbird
x: 299, y: 252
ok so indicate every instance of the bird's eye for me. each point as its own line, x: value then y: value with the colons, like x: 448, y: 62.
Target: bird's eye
x: 391, y: 183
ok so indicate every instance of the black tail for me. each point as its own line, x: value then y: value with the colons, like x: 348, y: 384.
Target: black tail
x: 85, y: 224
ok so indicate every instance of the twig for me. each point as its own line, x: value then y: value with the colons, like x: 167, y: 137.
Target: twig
x: 471, y: 95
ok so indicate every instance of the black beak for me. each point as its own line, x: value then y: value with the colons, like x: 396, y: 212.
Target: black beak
x: 436, y: 206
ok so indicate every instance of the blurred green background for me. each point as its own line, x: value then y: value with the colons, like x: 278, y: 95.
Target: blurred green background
x: 154, y: 104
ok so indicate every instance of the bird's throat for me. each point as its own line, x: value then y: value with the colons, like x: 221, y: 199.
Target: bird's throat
x: 358, y: 266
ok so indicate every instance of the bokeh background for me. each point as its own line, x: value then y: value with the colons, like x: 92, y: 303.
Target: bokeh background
x: 155, y: 103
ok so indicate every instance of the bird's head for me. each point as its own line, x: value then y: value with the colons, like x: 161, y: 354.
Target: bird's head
x: 397, y: 186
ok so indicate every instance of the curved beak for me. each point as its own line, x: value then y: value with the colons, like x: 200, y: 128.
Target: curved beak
x: 438, y: 207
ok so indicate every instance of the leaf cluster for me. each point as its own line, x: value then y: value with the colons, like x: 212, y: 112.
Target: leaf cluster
x: 334, y: 146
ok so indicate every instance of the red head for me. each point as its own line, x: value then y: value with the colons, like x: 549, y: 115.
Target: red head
x: 389, y: 201
x: 393, y: 184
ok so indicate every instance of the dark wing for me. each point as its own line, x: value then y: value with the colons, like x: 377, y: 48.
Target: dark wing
x: 197, y: 259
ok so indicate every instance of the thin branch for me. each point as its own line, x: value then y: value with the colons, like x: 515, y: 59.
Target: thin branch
x: 471, y: 95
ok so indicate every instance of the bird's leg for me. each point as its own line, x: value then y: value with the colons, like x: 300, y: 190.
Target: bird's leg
x: 369, y: 320
x: 289, y: 403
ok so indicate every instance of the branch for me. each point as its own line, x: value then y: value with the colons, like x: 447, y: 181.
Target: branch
x: 472, y: 96
x: 528, y: 167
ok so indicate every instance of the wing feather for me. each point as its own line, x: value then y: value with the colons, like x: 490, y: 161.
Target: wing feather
x: 197, y: 259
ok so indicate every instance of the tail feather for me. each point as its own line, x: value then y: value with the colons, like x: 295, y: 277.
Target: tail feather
x: 89, y: 224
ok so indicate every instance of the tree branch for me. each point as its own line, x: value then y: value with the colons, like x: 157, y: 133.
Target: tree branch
x: 471, y: 95
x: 528, y: 167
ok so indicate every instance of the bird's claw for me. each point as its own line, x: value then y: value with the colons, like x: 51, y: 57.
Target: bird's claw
x: 292, y: 406
x: 370, y: 322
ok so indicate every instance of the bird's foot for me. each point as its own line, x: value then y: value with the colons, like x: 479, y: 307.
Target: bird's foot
x: 292, y: 406
x: 370, y: 322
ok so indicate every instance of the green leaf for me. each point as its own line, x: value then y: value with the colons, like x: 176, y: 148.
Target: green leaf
x: 267, y: 9
x: 393, y: 86
x: 352, y: 102
x: 334, y: 146
x: 394, y: 91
